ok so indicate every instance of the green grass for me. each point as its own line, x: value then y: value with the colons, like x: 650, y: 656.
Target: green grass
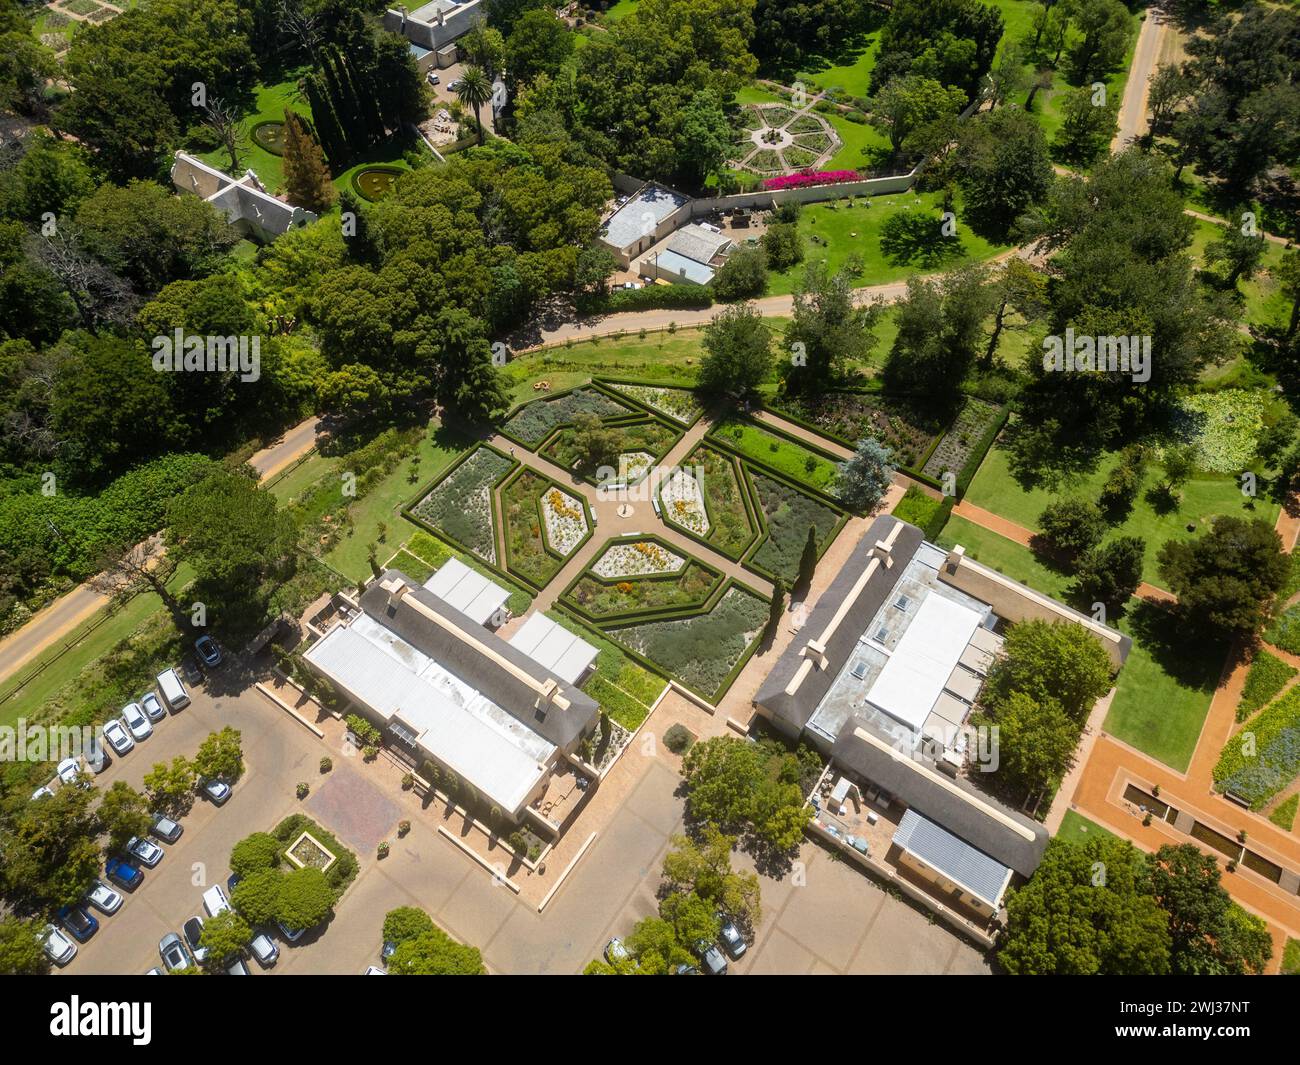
x: 1204, y: 497
x: 1263, y: 301
x: 1164, y: 690
x: 854, y: 228
x: 850, y: 72
x: 859, y: 142
x: 1284, y: 814
x: 1291, y: 958
x: 269, y: 104
x: 620, y: 10
x: 794, y: 460
x: 1075, y: 828
x: 1267, y: 677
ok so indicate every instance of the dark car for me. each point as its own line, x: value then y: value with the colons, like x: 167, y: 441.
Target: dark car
x: 123, y: 873
x: 165, y: 829
x: 208, y: 651
x: 231, y: 881
x: 77, y: 921
x: 190, y: 669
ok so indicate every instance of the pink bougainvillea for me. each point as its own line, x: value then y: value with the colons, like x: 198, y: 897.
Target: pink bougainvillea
x: 813, y: 177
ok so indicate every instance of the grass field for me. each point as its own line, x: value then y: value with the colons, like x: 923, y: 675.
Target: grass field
x: 1262, y: 296
x: 1075, y: 828
x: 270, y: 103
x: 1164, y: 690
x: 1204, y: 497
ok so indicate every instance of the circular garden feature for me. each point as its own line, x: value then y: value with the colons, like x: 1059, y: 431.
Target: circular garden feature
x: 376, y: 182
x: 269, y: 136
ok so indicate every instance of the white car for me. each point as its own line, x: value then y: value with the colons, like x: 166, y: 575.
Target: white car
x: 69, y: 771
x: 117, y: 736
x: 374, y: 970
x: 264, y: 950
x: 146, y: 850
x: 42, y: 793
x: 59, y: 947
x: 152, y: 707
x: 133, y: 717
x: 104, y: 898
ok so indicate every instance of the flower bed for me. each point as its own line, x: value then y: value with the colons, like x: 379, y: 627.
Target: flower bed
x: 702, y: 652
x: 1285, y: 631
x: 796, y: 155
x: 962, y: 437
x: 804, y: 124
x: 566, y: 521
x: 788, y: 513
x: 816, y: 143
x: 648, y: 438
x: 534, y: 422
x: 1263, y: 759
x: 1224, y: 427
x: 816, y: 177
x: 608, y: 600
x: 732, y: 526
x: 905, y: 427
x: 460, y: 505
x: 633, y: 465
x: 678, y: 403
x: 637, y: 559
x: 1268, y: 675
x: 682, y: 502
x: 521, y: 509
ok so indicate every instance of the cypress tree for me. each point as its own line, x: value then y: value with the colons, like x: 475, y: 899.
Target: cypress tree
x: 808, y: 560
x: 776, y: 609
x: 360, y: 243
x: 306, y: 177
x: 327, y: 126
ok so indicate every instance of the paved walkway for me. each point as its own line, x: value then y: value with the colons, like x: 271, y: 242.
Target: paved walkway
x: 1132, y: 121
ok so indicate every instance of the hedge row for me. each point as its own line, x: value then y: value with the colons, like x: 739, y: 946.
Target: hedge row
x: 652, y: 297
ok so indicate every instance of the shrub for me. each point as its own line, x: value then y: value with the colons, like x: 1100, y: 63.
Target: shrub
x: 403, y: 827
x: 814, y: 177
x: 302, y: 789
x: 326, y: 764
x: 678, y: 738
x: 1260, y: 761
x: 261, y: 850
x: 382, y: 849
x: 370, y: 752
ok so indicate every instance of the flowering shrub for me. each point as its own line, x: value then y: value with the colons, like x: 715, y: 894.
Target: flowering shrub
x: 812, y: 177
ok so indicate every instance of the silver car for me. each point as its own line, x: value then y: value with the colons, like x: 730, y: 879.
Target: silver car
x: 174, y: 954
x: 135, y: 720
x: 104, y: 898
x: 264, y: 950
x: 58, y: 946
x: 732, y: 941
x: 152, y: 707
x: 117, y: 736
x: 165, y: 829
x: 146, y: 850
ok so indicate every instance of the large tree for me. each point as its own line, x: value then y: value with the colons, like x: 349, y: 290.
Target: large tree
x: 1003, y: 168
x: 1063, y: 662
x: 830, y: 333
x: 952, y: 41
x: 434, y: 953
x: 737, y: 353
x: 306, y: 174
x: 940, y: 332
x: 866, y: 477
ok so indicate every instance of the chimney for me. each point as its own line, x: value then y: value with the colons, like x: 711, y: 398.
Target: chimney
x: 953, y: 562
x: 816, y: 651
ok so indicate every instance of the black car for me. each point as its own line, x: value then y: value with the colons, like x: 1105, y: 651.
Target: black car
x: 190, y: 669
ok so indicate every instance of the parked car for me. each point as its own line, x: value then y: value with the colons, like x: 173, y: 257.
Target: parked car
x: 117, y: 736
x: 190, y: 668
x: 155, y: 971
x: 193, y: 929
x: 454, y: 85
x: 104, y: 898
x: 152, y: 706
x: 231, y: 881
x: 174, y: 954
x: 133, y: 717
x: 69, y: 771
x: 712, y: 960
x: 433, y: 78
x: 216, y: 790
x: 264, y: 950
x: 172, y: 690
x: 208, y: 651
x: 42, y: 793
x: 291, y: 934
x: 732, y: 941
x: 123, y: 873
x: 77, y: 921
x: 165, y: 829
x: 58, y: 946
x: 238, y: 967
x: 389, y: 949
x: 374, y: 970
x: 145, y: 850
x: 215, y: 901
x: 96, y: 757
x: 615, y: 951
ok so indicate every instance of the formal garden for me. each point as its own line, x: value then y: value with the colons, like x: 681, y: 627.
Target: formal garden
x: 459, y: 504
x: 533, y: 423
x: 543, y: 525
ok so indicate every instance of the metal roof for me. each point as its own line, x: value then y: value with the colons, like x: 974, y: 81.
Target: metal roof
x: 953, y: 857
x: 698, y: 243
x: 467, y: 590
x: 684, y: 268
x: 650, y: 206
x: 554, y: 647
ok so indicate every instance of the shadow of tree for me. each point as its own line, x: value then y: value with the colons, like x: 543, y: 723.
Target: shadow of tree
x: 916, y: 238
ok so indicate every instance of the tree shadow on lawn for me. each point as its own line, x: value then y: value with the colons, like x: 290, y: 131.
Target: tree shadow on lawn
x: 916, y: 238
x: 1193, y: 661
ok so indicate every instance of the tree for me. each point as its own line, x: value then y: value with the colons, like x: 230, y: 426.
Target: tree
x: 1050, y: 661
x: 1086, y: 911
x: 776, y: 608
x: 49, y: 849
x: 1036, y: 742
x: 1003, y: 167
x: 1072, y: 526
x: 952, y: 41
x: 594, y: 443
x: 224, y: 123
x: 782, y: 245
x: 1238, y: 251
x: 169, y: 785
x: 305, y: 898
x: 1287, y: 274
x: 226, y: 936
x: 1103, y: 27
x: 940, y: 332
x: 100, y: 297
x: 729, y: 783
x: 406, y: 922
x: 807, y: 561
x: 1109, y: 574
x: 1087, y: 126
x: 257, y: 896
x: 654, y: 949
x: 693, y: 919
x: 434, y: 953
x: 25, y: 64
x: 1008, y: 76
x: 1169, y: 90
x: 1206, y: 937
x: 743, y: 276
x: 703, y: 867
x: 474, y: 90
x: 124, y: 813
x: 259, y: 851
x: 1123, y: 483
x: 22, y: 951
x: 1016, y: 287
x: 829, y: 333
x: 867, y: 476
x: 353, y: 389
x: 306, y: 175
x: 910, y: 102
x: 737, y: 353
x: 362, y: 247
x: 484, y: 46
x: 1226, y: 579
x: 220, y: 756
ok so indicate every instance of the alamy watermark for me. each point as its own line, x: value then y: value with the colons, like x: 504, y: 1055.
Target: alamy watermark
x: 1104, y: 354
x: 181, y: 353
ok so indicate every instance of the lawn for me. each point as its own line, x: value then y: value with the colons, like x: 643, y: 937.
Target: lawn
x: 1205, y: 496
x: 834, y: 231
x: 849, y: 72
x: 270, y: 101
x: 1291, y: 958
x: 1075, y: 828
x: 669, y: 358
x: 1163, y: 691
x: 1262, y: 296
x: 785, y: 456
x: 620, y: 10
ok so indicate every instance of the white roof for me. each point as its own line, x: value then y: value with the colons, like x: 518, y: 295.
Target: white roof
x: 454, y: 722
x: 467, y: 590
x: 554, y: 647
x: 920, y: 665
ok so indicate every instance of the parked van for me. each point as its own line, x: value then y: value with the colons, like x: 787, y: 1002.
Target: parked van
x: 173, y: 691
x: 214, y: 900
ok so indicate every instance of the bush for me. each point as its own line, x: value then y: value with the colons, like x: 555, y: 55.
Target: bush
x: 363, y: 729
x: 1072, y: 526
x: 783, y: 245
x: 652, y: 297
x: 743, y: 276
x: 678, y: 739
x: 326, y: 764
x: 1268, y: 675
x: 406, y: 922
x: 302, y: 789
x: 261, y: 850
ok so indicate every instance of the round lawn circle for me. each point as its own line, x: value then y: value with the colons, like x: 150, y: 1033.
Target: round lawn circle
x: 269, y: 136
x: 376, y: 182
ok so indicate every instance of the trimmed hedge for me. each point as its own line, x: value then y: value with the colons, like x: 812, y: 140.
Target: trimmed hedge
x: 1268, y: 675
x: 928, y: 514
x: 650, y: 298
x: 344, y: 869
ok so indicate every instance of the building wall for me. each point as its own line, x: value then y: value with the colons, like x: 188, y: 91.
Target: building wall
x: 943, y: 885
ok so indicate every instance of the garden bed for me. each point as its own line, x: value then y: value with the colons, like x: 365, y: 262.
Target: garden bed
x: 607, y: 600
x: 1264, y: 758
x: 459, y: 505
x: 637, y: 558
x: 783, y: 454
x: 908, y: 428
x: 1267, y: 677
x: 640, y: 444
x: 540, y: 533
x: 787, y: 513
x: 532, y: 423
x: 679, y: 404
x: 729, y: 525
x: 954, y: 450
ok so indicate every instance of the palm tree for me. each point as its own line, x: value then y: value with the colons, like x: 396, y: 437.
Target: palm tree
x: 474, y: 90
